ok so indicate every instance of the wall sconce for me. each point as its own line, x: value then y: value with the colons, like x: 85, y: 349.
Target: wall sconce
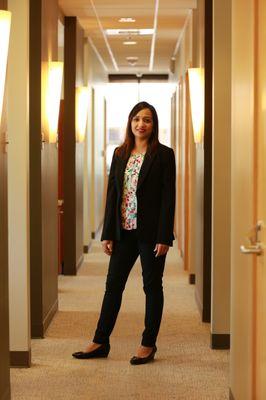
x: 196, y: 90
x: 52, y: 100
x: 5, y: 23
x: 82, y: 105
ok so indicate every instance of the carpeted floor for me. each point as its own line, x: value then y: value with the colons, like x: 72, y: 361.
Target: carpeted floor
x: 185, y: 367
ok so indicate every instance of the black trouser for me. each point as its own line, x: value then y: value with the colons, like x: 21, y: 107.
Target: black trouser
x: 125, y: 253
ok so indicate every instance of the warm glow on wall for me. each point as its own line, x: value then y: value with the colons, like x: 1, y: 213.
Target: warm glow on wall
x: 196, y: 90
x: 53, y: 96
x: 5, y: 22
x: 82, y: 104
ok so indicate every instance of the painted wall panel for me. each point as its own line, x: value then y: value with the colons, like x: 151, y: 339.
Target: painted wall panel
x: 18, y: 182
x: 4, y: 317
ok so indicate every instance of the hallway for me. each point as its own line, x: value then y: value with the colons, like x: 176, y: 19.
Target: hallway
x: 185, y: 366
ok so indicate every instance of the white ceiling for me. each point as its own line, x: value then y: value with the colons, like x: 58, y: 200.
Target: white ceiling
x: 95, y: 16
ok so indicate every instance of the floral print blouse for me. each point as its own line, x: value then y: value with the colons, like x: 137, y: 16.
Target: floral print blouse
x: 129, y: 200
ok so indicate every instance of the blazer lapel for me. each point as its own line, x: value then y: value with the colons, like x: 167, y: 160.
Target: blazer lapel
x: 147, y: 162
x: 122, y: 163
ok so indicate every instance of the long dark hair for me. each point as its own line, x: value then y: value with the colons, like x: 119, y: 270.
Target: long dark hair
x: 127, y: 146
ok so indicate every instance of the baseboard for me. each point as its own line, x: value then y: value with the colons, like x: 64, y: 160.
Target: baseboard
x: 231, y: 396
x: 198, y: 301
x: 192, y: 279
x: 6, y: 395
x: 38, y: 330
x: 96, y: 233
x: 86, y: 248
x: 20, y: 359
x: 79, y: 263
x: 50, y: 315
x: 220, y: 341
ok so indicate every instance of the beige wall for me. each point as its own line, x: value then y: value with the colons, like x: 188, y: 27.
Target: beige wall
x: 49, y: 183
x: 87, y: 174
x: 197, y: 163
x: 191, y: 53
x: 18, y: 177
x: 4, y: 300
x: 184, y: 54
x: 95, y: 76
x: 99, y: 172
x: 183, y: 62
x: 221, y: 168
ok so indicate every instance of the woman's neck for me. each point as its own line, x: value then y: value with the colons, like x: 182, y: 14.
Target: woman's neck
x: 140, y: 146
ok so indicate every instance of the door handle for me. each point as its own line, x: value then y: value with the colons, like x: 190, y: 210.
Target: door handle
x: 253, y: 249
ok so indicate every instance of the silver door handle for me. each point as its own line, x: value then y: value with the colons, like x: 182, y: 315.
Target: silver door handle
x: 253, y: 249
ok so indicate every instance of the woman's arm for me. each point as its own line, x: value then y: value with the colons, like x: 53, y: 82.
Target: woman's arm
x: 109, y: 224
x: 167, y: 212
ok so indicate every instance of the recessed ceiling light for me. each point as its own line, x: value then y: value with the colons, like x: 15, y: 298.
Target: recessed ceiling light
x: 129, y: 43
x: 132, y: 60
x: 129, y: 32
x: 127, y: 20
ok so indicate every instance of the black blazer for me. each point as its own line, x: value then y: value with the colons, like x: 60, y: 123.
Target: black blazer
x: 155, y: 198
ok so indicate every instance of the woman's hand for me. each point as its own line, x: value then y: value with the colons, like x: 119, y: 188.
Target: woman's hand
x: 107, y: 246
x: 161, y: 249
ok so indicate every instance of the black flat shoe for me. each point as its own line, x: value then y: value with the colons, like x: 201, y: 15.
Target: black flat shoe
x: 100, y: 352
x: 143, y: 360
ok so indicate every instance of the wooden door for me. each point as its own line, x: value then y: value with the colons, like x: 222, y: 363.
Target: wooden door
x: 60, y: 191
x: 242, y: 201
x: 260, y: 202
x: 248, y: 283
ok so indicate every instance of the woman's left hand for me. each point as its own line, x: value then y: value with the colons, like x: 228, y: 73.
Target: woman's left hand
x: 161, y: 249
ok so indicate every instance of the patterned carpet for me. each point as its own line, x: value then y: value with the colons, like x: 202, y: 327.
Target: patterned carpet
x: 185, y: 367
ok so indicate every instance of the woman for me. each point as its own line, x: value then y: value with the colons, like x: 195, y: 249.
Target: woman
x: 139, y: 219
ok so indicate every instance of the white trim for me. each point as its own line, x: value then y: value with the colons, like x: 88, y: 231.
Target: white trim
x: 104, y: 37
x: 154, y: 35
x: 98, y: 55
x: 179, y: 40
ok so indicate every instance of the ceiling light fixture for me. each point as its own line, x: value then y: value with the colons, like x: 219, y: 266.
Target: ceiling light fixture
x: 82, y: 108
x: 129, y: 43
x: 132, y: 60
x: 53, y: 73
x: 196, y: 91
x: 127, y: 19
x: 127, y: 32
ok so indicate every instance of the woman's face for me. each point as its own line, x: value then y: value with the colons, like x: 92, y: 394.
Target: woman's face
x: 142, y: 124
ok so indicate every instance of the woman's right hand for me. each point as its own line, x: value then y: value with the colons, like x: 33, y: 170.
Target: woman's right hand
x: 107, y: 246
